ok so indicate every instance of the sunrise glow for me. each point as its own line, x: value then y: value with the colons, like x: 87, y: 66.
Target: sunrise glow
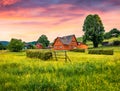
x: 28, y: 19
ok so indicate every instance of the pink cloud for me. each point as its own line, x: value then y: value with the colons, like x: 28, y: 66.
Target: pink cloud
x: 8, y: 2
x: 54, y: 20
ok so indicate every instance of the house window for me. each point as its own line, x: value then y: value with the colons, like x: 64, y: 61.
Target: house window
x: 60, y: 46
x: 55, y: 46
x: 74, y: 47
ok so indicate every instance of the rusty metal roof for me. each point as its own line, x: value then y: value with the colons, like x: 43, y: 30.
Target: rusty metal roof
x: 66, y: 39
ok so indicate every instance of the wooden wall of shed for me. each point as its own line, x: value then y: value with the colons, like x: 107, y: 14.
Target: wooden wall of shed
x: 82, y: 46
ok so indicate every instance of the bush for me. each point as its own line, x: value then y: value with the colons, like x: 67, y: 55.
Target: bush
x: 116, y: 43
x: 78, y: 50
x: 2, y: 47
x: 15, y: 45
x: 106, y: 52
x: 44, y: 55
x: 105, y: 43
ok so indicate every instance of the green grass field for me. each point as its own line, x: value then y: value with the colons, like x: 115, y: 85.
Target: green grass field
x: 86, y: 72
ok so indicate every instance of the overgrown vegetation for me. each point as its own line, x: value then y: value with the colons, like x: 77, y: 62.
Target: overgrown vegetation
x: 112, y: 33
x: 105, y: 52
x: 85, y: 73
x: 116, y: 43
x: 15, y: 45
x: 78, y: 50
x: 41, y: 54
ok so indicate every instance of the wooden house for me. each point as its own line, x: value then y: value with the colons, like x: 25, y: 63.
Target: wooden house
x: 67, y: 43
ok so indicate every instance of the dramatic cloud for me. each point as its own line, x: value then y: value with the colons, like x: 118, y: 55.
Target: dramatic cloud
x: 84, y: 4
x: 53, y: 17
x: 8, y: 2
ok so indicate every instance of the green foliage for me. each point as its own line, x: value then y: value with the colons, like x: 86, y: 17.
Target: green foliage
x: 113, y: 39
x: 15, y: 45
x: 107, y: 35
x: 116, y: 43
x: 106, y: 52
x: 112, y: 33
x: 44, y: 55
x: 2, y: 47
x: 79, y: 39
x: 43, y: 40
x: 78, y: 50
x: 30, y: 46
x: 115, y: 32
x: 93, y: 30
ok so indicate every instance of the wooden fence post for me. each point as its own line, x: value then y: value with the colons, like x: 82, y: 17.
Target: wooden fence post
x: 55, y: 56
x: 65, y: 56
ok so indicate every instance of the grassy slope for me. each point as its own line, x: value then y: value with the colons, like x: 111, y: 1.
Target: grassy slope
x: 85, y: 73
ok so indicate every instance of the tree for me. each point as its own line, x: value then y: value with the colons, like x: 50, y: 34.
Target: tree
x: 93, y: 30
x: 43, y: 40
x: 15, y: 45
x: 107, y: 35
x: 1, y: 46
x: 112, y: 33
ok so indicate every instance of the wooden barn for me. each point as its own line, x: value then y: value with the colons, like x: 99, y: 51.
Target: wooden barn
x: 67, y: 43
x: 39, y: 46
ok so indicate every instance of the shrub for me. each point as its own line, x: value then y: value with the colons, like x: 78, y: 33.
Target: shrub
x: 116, y: 43
x: 105, y: 43
x: 106, y: 52
x: 15, y: 45
x: 44, y: 55
x: 2, y: 47
x: 78, y: 50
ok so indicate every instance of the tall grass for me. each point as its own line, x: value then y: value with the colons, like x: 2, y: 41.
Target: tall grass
x: 85, y: 73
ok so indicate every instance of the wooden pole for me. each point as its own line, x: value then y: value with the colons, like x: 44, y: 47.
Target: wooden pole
x: 65, y: 56
x: 55, y: 56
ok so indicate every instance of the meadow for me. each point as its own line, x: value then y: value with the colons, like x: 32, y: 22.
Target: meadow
x: 85, y: 72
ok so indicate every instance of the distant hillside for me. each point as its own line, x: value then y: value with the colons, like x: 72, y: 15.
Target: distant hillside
x: 80, y: 39
x: 4, y: 42
x: 32, y: 43
x: 112, y: 39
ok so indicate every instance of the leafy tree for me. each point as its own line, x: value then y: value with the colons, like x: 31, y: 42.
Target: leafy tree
x: 93, y: 30
x: 107, y: 35
x: 15, y: 45
x: 1, y: 46
x: 43, y: 40
x: 112, y: 33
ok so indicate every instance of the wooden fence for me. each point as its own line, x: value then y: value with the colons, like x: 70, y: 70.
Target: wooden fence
x: 58, y: 55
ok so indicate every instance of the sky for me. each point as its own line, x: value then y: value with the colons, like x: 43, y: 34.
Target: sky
x: 29, y: 19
